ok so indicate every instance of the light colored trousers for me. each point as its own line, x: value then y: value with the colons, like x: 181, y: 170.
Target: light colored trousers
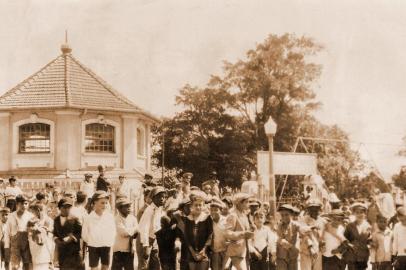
x: 308, y: 263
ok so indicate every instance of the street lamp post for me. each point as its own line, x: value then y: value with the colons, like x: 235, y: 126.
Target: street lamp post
x: 270, y: 131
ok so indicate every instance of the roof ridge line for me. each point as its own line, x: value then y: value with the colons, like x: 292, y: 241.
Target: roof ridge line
x: 18, y: 86
x: 66, y: 80
x: 104, y: 83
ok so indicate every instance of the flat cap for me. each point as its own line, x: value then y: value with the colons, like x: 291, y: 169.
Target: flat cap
x: 123, y: 201
x: 88, y: 175
x: 157, y: 190
x: 184, y: 202
x: 12, y: 178
x: 215, y: 202
x: 100, y: 194
x: 254, y: 202
x: 313, y: 203
x: 287, y: 207
x: 148, y: 176
x: 187, y: 174
x: 64, y: 202
x: 240, y: 197
x: 5, y: 210
x: 358, y: 205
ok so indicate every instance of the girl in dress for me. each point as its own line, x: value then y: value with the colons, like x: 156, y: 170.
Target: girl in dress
x: 198, y: 229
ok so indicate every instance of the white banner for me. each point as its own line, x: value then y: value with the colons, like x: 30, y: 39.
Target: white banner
x: 285, y: 163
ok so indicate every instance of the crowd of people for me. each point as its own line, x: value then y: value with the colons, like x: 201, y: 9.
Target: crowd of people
x: 192, y: 228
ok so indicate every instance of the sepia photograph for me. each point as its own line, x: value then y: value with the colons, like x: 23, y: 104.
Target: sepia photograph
x: 202, y: 135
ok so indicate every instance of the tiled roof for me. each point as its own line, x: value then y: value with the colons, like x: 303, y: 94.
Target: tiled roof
x: 66, y: 83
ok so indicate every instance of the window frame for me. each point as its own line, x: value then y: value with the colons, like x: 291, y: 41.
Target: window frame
x: 142, y: 142
x: 49, y: 138
x: 113, y: 139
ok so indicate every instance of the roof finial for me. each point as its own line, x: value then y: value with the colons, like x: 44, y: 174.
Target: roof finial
x: 65, y: 47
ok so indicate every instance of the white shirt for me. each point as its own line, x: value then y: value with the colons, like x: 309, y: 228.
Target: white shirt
x: 126, y: 227
x: 399, y: 240
x: 16, y: 224
x: 264, y: 237
x: 88, y: 188
x: 79, y: 212
x: 386, y: 205
x: 333, y: 237
x: 12, y: 191
x: 99, y: 231
x: 150, y: 223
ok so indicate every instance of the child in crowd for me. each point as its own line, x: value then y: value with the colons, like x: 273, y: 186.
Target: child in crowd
x: 358, y: 234
x: 5, y: 256
x: 381, y: 249
x: 219, y: 241
x: 399, y: 240
x: 127, y: 226
x: 41, y: 246
x: 288, y: 231
x: 99, y: 231
x: 17, y: 235
x: 166, y: 238
x: 333, y: 239
x: 67, y: 235
x: 263, y: 244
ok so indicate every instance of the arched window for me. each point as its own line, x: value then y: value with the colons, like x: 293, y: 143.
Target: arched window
x: 140, y: 142
x: 34, y: 138
x: 99, y: 138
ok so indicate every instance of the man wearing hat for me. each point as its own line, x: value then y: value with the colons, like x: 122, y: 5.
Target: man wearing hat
x: 16, y: 237
x: 238, y: 231
x: 102, y: 183
x: 149, y: 224
x: 288, y: 231
x: 358, y: 234
x: 310, y: 245
x: 11, y: 192
x: 88, y: 186
x: 333, y: 239
x: 127, y: 226
x: 67, y: 235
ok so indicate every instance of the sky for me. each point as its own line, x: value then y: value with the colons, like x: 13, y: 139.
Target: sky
x: 148, y: 50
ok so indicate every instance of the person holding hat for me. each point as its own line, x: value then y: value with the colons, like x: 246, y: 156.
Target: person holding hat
x: 334, y: 241
x: 11, y: 192
x: 288, y: 231
x: 358, y: 234
x: 99, y: 231
x: 16, y: 237
x: 87, y: 186
x: 67, y: 236
x: 238, y: 232
x: 5, y: 256
x: 149, y: 224
x: 186, y: 181
x: 127, y: 226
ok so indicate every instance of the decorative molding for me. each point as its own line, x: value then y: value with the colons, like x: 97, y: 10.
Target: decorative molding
x: 67, y: 112
x: 129, y: 116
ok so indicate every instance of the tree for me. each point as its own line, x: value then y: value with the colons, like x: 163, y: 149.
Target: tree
x: 274, y: 81
x: 204, y: 137
x: 221, y: 125
x: 400, y: 179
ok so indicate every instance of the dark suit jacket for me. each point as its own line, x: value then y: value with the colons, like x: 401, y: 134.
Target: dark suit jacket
x: 359, y: 252
x: 71, y: 226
